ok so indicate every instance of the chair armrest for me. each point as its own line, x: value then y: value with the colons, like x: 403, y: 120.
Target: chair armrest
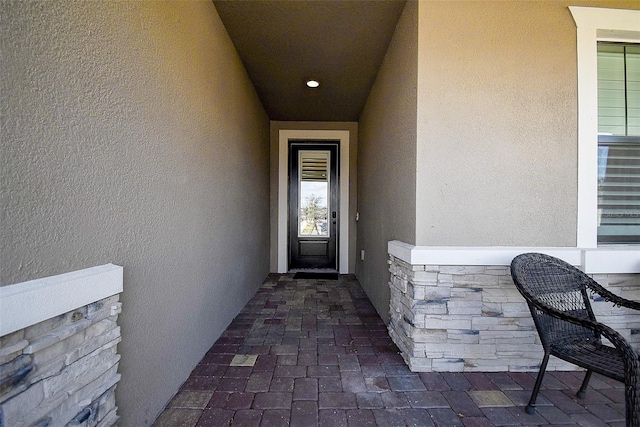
x: 611, y: 297
x: 631, y: 359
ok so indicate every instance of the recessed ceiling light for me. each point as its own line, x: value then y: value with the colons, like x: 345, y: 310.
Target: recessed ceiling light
x: 313, y: 83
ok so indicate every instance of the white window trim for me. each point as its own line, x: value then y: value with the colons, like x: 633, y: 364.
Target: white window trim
x: 283, y: 192
x: 593, y: 25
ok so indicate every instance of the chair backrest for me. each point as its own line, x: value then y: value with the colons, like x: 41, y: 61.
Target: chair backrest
x: 546, y: 281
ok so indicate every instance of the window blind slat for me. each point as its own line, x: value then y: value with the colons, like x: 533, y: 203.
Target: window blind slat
x: 619, y: 154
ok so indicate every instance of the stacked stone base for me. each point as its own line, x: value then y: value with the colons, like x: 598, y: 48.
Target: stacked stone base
x: 472, y: 318
x: 62, y: 371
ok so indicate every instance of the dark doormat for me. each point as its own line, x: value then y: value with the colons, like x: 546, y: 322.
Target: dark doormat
x: 317, y: 276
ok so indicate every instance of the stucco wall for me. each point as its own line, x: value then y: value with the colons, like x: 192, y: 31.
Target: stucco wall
x: 132, y: 135
x: 276, y: 127
x: 497, y: 123
x: 387, y: 161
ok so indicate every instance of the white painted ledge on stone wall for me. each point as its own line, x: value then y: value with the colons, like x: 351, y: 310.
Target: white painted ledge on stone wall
x: 603, y: 260
x: 27, y: 303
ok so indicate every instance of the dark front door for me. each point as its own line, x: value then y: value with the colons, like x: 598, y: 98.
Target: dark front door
x: 313, y: 205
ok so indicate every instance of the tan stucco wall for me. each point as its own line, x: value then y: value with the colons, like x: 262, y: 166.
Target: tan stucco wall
x: 497, y: 123
x: 276, y: 127
x: 387, y: 161
x: 131, y: 134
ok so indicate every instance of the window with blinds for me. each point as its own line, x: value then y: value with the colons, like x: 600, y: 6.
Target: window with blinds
x: 618, y: 143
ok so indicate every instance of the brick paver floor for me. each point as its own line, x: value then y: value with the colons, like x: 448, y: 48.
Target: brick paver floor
x: 315, y: 352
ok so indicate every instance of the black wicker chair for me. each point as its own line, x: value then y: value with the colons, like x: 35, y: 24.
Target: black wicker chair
x: 556, y: 293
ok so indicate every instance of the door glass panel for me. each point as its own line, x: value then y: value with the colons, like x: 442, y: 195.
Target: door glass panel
x: 314, y: 193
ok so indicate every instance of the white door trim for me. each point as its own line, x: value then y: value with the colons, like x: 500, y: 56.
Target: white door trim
x: 283, y: 192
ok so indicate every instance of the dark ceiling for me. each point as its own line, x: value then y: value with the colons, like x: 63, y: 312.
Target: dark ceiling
x: 285, y: 43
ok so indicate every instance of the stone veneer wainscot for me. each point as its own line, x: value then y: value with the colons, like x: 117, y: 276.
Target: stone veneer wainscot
x: 471, y: 317
x: 61, y: 370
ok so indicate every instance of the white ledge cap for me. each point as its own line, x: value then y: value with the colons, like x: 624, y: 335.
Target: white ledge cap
x: 27, y: 303
x: 482, y: 255
x: 603, y: 260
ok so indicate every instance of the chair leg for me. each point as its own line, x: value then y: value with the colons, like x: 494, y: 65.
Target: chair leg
x: 583, y: 388
x: 531, y: 407
x: 632, y: 396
